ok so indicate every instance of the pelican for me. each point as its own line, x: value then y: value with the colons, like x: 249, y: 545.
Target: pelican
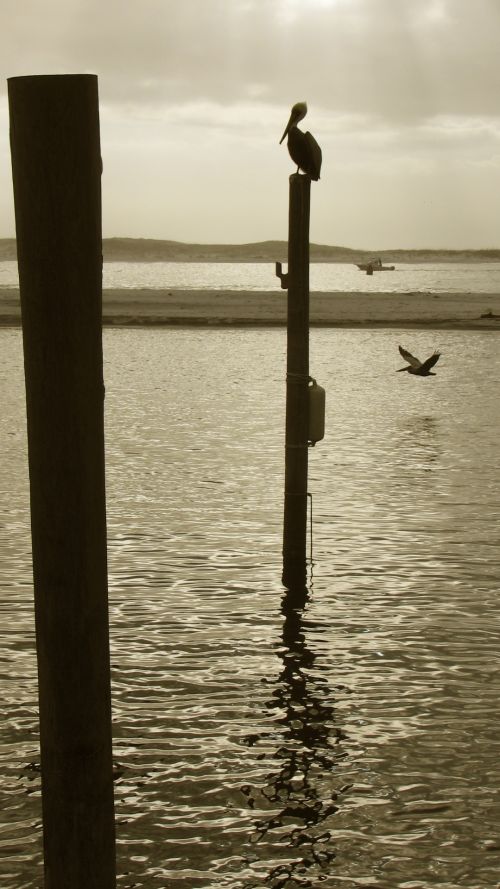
x: 420, y: 368
x: 302, y: 147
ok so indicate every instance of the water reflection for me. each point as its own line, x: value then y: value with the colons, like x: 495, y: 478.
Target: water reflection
x: 406, y: 514
x: 300, y: 789
x: 418, y: 441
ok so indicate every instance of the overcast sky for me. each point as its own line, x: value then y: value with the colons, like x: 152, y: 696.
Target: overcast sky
x: 403, y: 97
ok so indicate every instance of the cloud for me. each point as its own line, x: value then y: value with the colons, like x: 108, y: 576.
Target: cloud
x: 401, y: 59
x: 194, y: 96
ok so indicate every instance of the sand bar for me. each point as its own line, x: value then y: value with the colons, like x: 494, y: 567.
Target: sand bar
x: 129, y: 307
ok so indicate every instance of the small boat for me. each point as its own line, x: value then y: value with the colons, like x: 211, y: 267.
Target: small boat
x: 374, y: 265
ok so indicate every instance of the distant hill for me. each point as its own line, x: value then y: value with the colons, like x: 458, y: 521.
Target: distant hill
x: 151, y: 250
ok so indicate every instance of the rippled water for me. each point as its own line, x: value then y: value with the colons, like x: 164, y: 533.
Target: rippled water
x: 349, y: 740
x: 444, y: 277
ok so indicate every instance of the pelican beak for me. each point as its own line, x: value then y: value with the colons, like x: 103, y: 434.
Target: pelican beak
x: 299, y: 111
x: 289, y: 124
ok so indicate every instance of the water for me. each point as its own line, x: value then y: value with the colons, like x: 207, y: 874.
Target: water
x: 348, y: 743
x: 327, y: 277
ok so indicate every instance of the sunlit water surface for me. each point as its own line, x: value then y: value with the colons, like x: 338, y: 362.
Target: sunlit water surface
x: 438, y: 277
x: 349, y: 743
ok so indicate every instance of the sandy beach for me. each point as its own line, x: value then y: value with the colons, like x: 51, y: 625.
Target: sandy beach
x: 230, y: 307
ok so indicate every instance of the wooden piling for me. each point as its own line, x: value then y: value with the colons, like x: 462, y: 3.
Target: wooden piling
x: 56, y: 166
x: 297, y: 385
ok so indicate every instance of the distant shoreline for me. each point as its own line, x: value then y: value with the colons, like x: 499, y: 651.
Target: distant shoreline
x: 155, y: 250
x: 223, y: 308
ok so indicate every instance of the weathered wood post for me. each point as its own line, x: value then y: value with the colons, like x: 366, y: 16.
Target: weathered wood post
x: 56, y: 166
x: 297, y: 385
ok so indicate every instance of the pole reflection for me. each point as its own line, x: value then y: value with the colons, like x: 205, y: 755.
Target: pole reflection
x: 298, y: 801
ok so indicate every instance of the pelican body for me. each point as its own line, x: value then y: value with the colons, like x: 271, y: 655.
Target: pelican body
x: 302, y: 147
x: 419, y: 368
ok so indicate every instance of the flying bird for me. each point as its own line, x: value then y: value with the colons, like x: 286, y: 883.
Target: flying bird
x: 420, y: 368
x: 302, y: 147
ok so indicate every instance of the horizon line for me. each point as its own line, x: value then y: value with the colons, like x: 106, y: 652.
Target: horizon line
x: 159, y: 240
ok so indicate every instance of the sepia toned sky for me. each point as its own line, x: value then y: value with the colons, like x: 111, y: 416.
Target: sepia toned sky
x: 403, y: 96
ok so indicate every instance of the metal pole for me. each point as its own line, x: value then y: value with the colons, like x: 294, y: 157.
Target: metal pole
x: 297, y: 385
x: 56, y: 166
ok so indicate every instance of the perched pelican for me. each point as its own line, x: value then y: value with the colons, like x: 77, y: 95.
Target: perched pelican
x: 302, y: 147
x: 420, y: 368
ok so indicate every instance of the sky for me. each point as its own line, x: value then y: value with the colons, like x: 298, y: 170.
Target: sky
x: 403, y: 97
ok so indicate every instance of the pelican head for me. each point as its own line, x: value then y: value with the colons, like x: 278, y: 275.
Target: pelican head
x: 298, y: 112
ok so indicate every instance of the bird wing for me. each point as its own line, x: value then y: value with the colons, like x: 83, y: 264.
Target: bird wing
x: 410, y: 358
x: 430, y: 362
x: 316, y: 155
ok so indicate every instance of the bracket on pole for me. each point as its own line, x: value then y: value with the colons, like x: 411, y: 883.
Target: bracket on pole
x: 283, y: 276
